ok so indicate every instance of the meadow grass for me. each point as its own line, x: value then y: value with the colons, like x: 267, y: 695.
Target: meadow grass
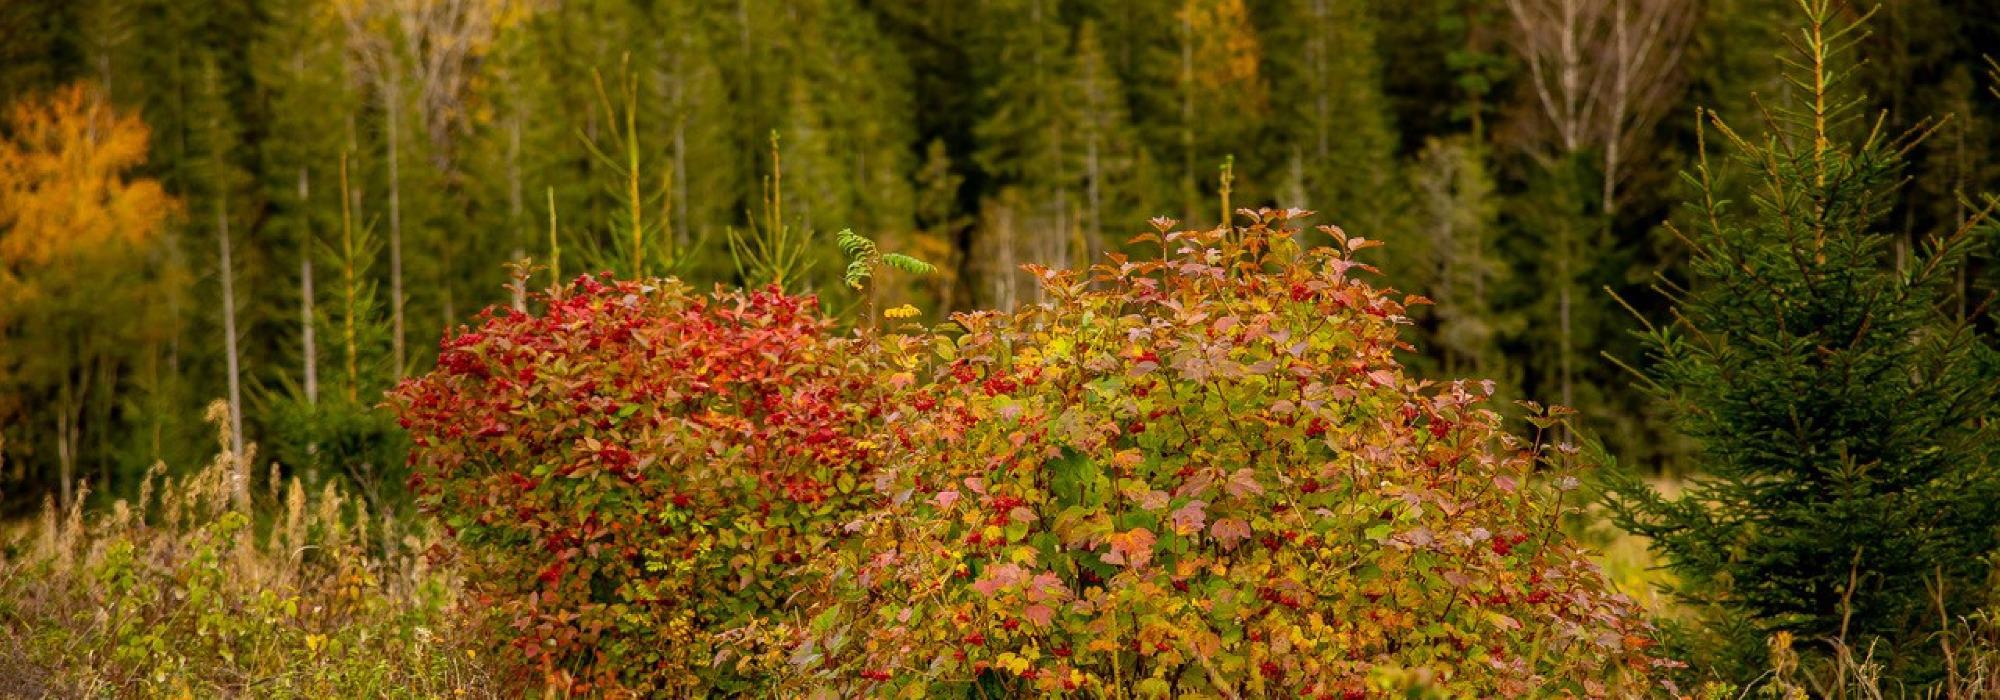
x: 179, y: 593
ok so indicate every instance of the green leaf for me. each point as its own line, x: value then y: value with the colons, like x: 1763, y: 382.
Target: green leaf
x: 905, y: 263
x: 824, y: 621
x: 854, y: 245
x: 857, y: 272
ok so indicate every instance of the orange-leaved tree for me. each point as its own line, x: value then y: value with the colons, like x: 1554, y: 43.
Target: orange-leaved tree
x: 76, y: 229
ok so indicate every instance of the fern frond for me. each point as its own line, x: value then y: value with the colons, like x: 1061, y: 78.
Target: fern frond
x: 905, y: 263
x: 863, y: 256
x: 855, y: 246
x: 858, y: 271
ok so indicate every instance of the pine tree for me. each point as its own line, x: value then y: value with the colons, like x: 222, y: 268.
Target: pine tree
x: 1029, y: 144
x: 297, y: 63
x: 823, y: 69
x: 1843, y: 415
x: 1458, y: 212
x: 342, y: 430
x: 1339, y: 135
x: 1117, y: 177
x: 1222, y: 93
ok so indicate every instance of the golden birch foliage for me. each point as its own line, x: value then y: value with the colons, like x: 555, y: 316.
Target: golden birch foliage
x: 65, y: 183
x: 1225, y: 45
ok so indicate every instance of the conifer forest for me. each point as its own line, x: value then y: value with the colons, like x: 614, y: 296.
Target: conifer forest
x: 988, y: 349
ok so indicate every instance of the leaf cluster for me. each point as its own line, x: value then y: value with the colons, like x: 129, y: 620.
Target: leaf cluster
x: 1207, y: 476
x: 633, y: 473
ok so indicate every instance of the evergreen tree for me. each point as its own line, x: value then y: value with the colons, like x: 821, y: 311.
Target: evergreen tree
x: 1118, y: 177
x: 1843, y: 414
x: 297, y: 63
x: 1458, y: 212
x: 1338, y: 129
x: 822, y: 67
x: 1029, y: 144
x: 221, y: 189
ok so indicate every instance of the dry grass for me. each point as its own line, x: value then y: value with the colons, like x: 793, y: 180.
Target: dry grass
x: 181, y: 594
x: 1801, y: 668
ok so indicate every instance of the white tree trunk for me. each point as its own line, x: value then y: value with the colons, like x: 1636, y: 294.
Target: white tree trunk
x: 241, y: 476
x: 308, y: 336
x: 394, y: 99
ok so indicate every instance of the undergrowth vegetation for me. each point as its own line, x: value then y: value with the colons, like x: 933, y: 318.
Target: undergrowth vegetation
x: 1206, y: 475
x: 182, y: 594
x: 1203, y: 475
x: 633, y: 471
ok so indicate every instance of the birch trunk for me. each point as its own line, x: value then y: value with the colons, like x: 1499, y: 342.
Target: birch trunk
x: 240, y: 478
x: 308, y: 337
x: 394, y: 99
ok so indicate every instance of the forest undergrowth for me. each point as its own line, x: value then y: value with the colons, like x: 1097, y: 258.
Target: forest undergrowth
x: 184, y: 592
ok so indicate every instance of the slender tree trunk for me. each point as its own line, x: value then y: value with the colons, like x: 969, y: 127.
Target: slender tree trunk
x: 1621, y: 99
x: 516, y: 222
x: 1188, y: 187
x: 349, y: 289
x: 394, y: 100
x: 241, y: 476
x: 1565, y: 251
x: 65, y: 438
x: 1572, y: 78
x: 308, y: 337
x: 678, y: 179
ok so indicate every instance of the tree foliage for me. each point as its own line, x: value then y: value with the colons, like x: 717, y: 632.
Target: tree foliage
x: 1844, y: 416
x: 77, y: 229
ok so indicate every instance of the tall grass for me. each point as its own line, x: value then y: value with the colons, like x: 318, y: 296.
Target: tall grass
x: 1841, y: 667
x: 1840, y: 670
x: 181, y: 594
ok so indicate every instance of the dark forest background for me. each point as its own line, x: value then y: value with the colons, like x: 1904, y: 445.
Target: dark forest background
x: 351, y: 177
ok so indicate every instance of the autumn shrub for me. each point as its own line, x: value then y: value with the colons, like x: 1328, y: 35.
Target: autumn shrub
x: 1206, y: 475
x: 181, y: 593
x: 633, y: 472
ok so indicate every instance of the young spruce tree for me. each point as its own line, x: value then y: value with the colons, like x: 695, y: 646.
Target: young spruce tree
x: 1844, y: 420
